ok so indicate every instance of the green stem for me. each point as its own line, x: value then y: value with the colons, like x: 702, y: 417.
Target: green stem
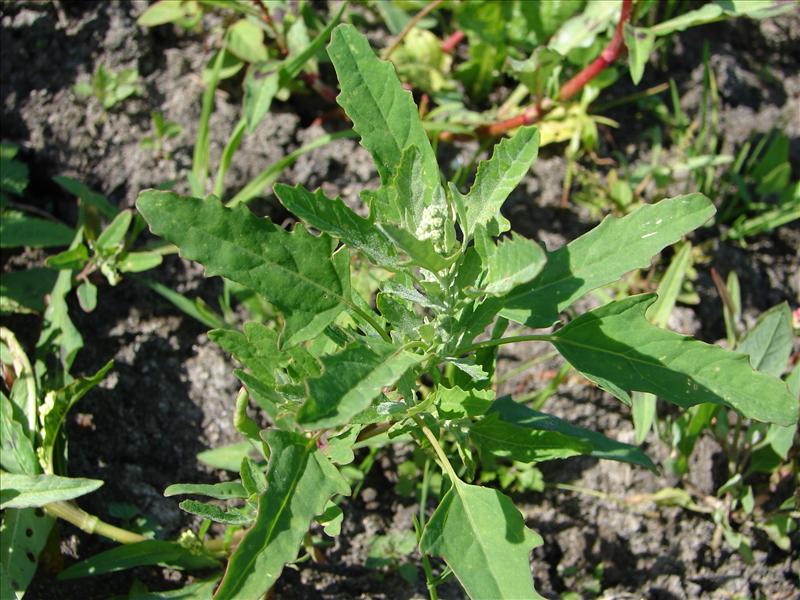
x: 371, y: 320
x: 510, y: 340
x: 90, y: 523
x: 430, y: 580
x: 448, y: 468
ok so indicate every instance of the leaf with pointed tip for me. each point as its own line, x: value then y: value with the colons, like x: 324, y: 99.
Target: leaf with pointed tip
x: 597, y: 258
x: 30, y: 491
x: 483, y: 538
x: 616, y: 347
x: 234, y: 516
x: 512, y: 262
x: 496, y: 179
x: 421, y: 251
x: 351, y: 379
x: 17, y: 455
x: 57, y: 404
x: 506, y: 439
x: 589, y: 442
x: 769, y: 342
x: 227, y: 490
x: 335, y: 218
x: 383, y: 113
x: 603, y: 255
x: 139, y: 554
x: 300, y: 481
x: 294, y: 270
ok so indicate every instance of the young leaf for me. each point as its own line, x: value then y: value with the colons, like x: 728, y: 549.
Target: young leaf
x: 260, y: 87
x: 139, y: 554
x: 603, y: 255
x: 383, y: 113
x: 227, y: 490
x: 87, y: 296
x: 215, y: 513
x: 351, y: 379
x: 300, y: 481
x: 113, y: 235
x: 17, y: 454
x: 769, y: 342
x: 422, y: 252
x: 513, y: 262
x: 31, y: 491
x: 483, y: 538
x: 616, y: 347
x: 496, y: 178
x: 57, y: 404
x: 335, y: 218
x: 294, y: 270
x: 227, y: 457
x: 256, y: 348
x: 246, y: 40
x: 639, y: 42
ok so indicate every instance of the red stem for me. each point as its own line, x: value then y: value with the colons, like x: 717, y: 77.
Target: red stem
x: 452, y: 41
x: 535, y: 112
x: 607, y: 56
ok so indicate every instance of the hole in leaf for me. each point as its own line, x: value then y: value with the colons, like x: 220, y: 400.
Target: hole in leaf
x: 30, y: 556
x: 39, y: 512
x: 29, y: 532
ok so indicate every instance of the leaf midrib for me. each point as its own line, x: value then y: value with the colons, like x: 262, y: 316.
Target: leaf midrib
x: 295, y: 482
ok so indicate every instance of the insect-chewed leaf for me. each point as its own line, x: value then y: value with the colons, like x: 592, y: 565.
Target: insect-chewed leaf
x: 226, y: 490
x: 616, y: 347
x: 300, y: 480
x: 16, y: 449
x: 335, y: 218
x: 496, y: 179
x: 483, y: 538
x: 23, y: 534
x: 294, y: 270
x: 351, y: 379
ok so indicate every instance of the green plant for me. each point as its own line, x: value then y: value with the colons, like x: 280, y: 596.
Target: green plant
x: 163, y: 130
x: 335, y: 373
x: 110, y: 88
x: 744, y: 501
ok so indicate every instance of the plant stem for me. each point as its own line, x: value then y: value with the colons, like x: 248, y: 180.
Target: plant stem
x: 607, y: 56
x: 409, y: 26
x: 453, y: 40
x: 448, y: 468
x: 534, y: 337
x: 536, y: 111
x: 90, y: 523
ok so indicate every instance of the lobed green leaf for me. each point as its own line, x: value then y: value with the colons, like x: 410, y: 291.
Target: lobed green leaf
x: 300, y: 481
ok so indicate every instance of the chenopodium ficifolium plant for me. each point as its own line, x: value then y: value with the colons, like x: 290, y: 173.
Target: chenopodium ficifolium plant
x: 337, y: 370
